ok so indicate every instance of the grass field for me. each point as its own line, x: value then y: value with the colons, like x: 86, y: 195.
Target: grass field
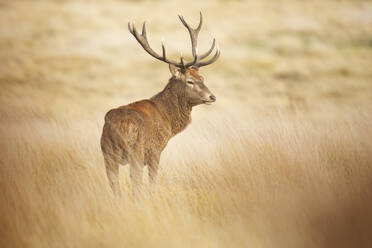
x: 282, y: 159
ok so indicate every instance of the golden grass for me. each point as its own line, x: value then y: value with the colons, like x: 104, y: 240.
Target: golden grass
x: 272, y: 181
x: 282, y: 159
x: 78, y: 55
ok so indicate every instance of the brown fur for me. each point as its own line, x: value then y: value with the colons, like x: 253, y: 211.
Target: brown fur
x: 137, y: 133
x: 194, y: 72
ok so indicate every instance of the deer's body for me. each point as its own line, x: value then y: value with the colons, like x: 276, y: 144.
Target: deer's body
x: 137, y: 133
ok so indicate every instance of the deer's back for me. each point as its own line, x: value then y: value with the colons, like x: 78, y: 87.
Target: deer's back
x: 136, y: 127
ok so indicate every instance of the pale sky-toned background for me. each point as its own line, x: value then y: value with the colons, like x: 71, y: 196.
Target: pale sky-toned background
x: 77, y: 58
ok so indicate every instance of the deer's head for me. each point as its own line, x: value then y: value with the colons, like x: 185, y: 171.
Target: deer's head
x: 185, y: 75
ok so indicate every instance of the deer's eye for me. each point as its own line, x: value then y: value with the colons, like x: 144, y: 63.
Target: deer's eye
x: 190, y: 83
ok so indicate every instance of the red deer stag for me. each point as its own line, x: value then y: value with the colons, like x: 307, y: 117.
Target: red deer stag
x: 138, y: 132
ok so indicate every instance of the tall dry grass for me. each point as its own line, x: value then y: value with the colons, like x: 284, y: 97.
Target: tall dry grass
x: 271, y: 181
x: 238, y: 176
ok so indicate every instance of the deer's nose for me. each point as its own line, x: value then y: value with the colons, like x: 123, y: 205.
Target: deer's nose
x: 213, y: 98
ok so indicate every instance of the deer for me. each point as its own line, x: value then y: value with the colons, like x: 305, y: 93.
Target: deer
x: 137, y: 133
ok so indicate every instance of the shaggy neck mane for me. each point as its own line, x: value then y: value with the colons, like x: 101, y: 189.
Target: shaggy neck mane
x: 173, y: 105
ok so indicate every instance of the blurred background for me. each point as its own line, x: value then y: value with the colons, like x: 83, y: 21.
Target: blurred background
x: 74, y: 58
x: 281, y: 159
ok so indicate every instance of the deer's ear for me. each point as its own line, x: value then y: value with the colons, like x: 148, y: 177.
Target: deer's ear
x: 175, y: 71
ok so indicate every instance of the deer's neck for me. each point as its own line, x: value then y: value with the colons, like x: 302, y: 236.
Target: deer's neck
x: 174, y: 107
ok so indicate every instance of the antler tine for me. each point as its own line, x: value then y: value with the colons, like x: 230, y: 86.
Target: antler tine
x: 194, y: 42
x: 210, y: 61
x: 144, y: 29
x: 196, y: 59
x: 142, y: 39
x: 163, y: 50
x: 182, y: 60
x: 206, y: 54
x: 130, y: 28
x: 200, y: 21
x: 193, y: 33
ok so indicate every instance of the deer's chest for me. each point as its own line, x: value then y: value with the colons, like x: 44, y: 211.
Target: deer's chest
x: 158, y: 136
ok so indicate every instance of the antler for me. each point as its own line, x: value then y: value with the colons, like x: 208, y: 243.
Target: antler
x: 142, y: 39
x: 194, y: 42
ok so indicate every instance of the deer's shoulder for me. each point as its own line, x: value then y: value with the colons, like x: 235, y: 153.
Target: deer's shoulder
x: 144, y: 108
